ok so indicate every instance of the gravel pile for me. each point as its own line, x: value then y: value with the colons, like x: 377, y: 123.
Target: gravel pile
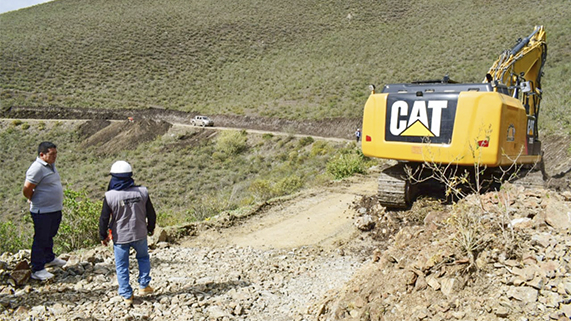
x: 191, y: 284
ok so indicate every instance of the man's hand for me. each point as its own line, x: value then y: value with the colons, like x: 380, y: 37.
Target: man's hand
x: 105, y: 241
x: 28, y: 190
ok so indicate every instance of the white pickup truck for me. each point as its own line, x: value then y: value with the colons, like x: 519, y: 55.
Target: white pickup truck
x: 202, y: 121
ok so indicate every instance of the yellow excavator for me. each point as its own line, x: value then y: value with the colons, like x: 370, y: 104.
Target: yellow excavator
x: 438, y: 129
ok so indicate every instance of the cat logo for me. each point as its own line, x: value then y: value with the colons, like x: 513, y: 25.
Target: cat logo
x: 417, y: 124
x: 411, y: 119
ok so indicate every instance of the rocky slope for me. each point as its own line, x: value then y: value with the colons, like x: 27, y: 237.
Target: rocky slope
x: 500, y: 256
x: 232, y: 283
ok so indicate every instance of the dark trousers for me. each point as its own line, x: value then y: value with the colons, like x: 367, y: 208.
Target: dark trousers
x: 46, y: 226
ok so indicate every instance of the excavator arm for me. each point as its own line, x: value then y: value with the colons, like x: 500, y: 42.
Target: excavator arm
x: 520, y: 69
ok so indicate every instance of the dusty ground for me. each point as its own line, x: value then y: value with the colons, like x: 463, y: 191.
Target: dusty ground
x: 322, y: 218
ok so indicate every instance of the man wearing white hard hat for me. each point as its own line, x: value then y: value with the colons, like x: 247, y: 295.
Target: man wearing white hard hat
x: 129, y: 213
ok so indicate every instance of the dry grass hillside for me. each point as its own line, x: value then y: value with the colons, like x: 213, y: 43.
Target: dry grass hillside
x: 295, y: 60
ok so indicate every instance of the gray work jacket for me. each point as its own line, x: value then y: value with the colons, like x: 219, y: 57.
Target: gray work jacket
x: 131, y: 220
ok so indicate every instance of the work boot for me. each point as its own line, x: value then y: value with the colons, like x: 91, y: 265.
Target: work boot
x: 56, y: 262
x: 147, y: 290
x: 129, y: 301
x: 42, y: 275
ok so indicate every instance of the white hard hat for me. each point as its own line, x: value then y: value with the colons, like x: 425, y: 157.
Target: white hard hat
x: 120, y: 167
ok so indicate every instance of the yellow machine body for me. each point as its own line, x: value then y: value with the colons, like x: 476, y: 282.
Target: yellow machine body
x: 489, y: 128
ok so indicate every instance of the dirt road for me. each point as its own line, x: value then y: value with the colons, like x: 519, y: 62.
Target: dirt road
x: 180, y: 126
x: 314, y: 218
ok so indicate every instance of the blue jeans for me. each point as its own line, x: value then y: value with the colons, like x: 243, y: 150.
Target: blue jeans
x: 46, y: 226
x: 122, y: 266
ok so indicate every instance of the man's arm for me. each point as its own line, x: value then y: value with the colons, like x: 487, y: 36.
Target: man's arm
x: 151, y: 217
x: 28, y: 190
x: 104, y: 223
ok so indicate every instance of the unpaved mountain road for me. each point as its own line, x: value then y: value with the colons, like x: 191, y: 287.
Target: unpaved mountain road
x: 186, y: 126
x: 331, y: 127
x: 273, y: 265
x: 261, y: 132
x: 322, y: 218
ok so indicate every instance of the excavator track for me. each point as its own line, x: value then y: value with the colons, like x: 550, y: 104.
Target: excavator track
x: 394, y: 189
x: 397, y: 190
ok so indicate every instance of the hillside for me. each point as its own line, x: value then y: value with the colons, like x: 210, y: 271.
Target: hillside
x: 253, y: 224
x: 194, y: 173
x: 294, y: 60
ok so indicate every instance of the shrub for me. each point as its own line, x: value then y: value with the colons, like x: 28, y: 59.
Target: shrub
x: 232, y: 142
x: 208, y: 206
x: 14, y: 238
x: 306, y: 141
x: 25, y: 126
x: 167, y: 219
x: 292, y: 156
x: 16, y: 122
x: 261, y: 189
x: 288, y: 185
x: 345, y: 165
x: 320, y: 147
x: 283, y: 141
x: 470, y: 234
x: 80, y: 223
x: 219, y: 156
